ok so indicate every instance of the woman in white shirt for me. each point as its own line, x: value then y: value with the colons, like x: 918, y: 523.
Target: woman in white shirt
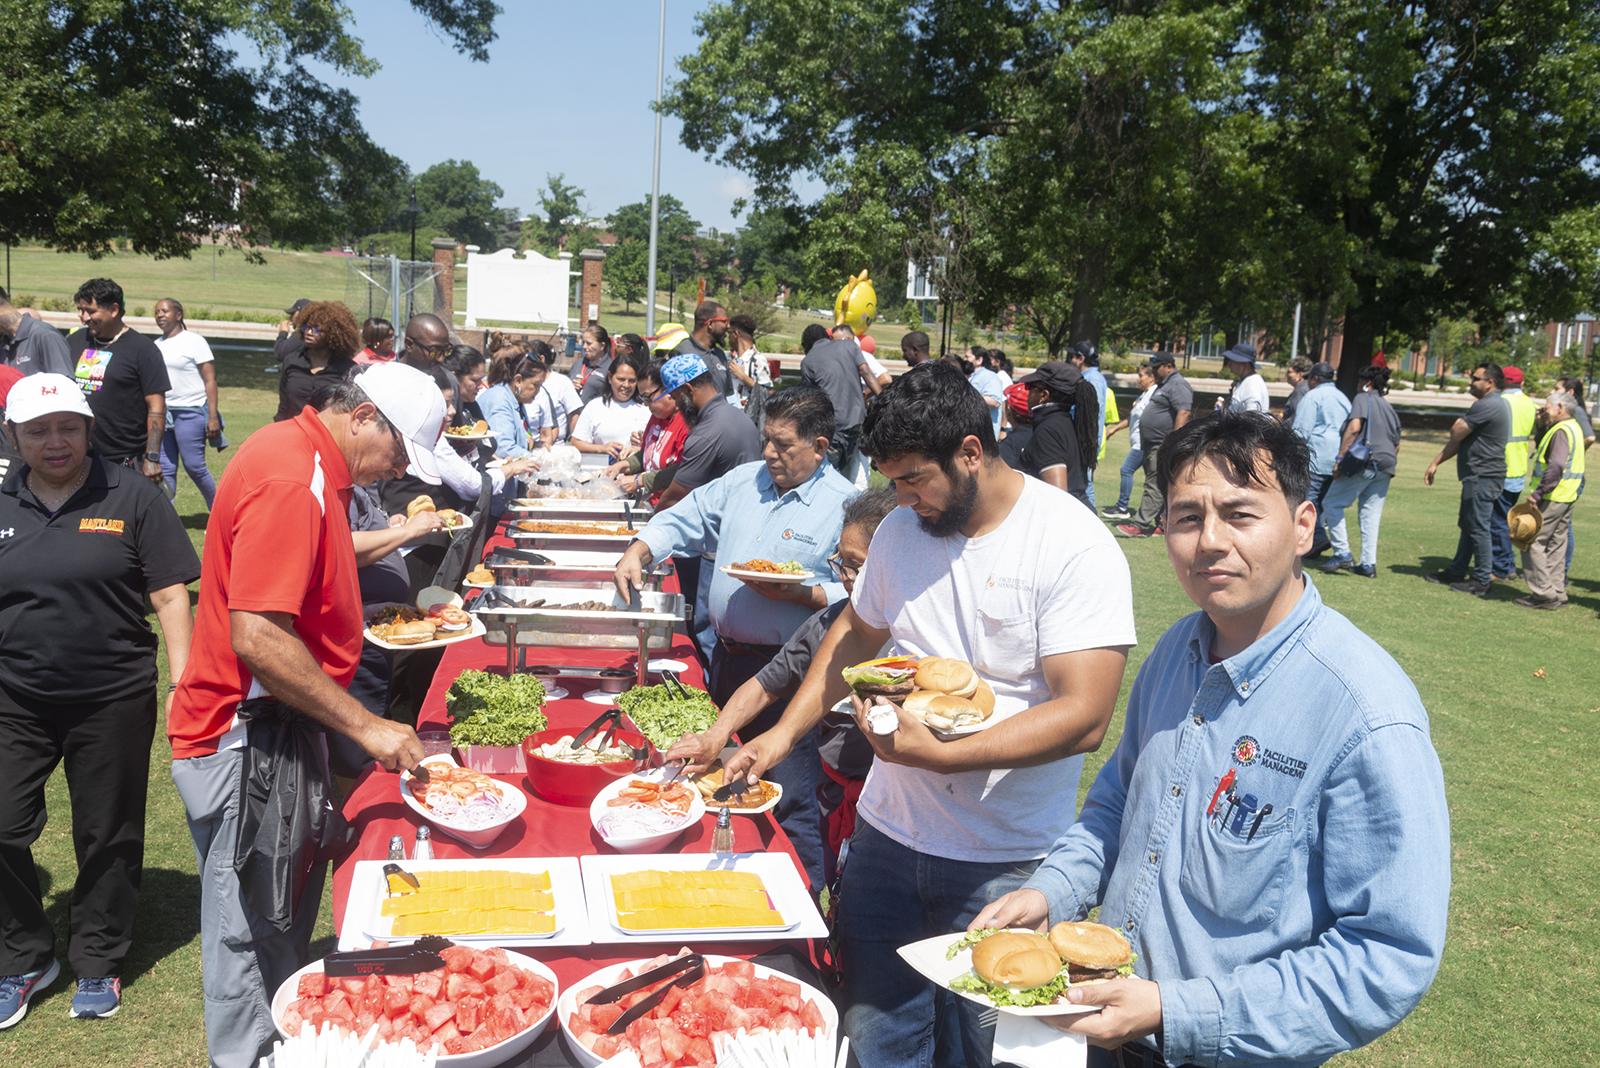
x: 609, y: 422
x: 193, y: 417
x: 1135, y: 458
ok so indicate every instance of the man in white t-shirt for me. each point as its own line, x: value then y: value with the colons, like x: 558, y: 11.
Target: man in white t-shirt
x: 1020, y: 580
x: 1249, y: 388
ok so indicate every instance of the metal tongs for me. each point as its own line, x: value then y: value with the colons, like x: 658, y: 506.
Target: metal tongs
x: 669, y: 679
x: 611, y: 720
x: 684, y: 971
x: 730, y: 790
x: 420, y: 956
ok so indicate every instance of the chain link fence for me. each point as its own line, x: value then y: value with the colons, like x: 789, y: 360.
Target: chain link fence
x: 390, y: 288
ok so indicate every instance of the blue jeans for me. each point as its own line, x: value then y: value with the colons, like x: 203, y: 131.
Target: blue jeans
x: 1315, y: 490
x: 186, y: 437
x: 1572, y: 531
x: 1474, y: 548
x: 1088, y: 486
x: 1505, y: 557
x: 891, y: 895
x: 1370, y: 487
x: 1130, y: 463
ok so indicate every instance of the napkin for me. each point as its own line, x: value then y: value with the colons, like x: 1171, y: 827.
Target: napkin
x: 1029, y: 1042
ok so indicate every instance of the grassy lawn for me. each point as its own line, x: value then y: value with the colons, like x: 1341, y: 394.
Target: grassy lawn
x: 1521, y: 977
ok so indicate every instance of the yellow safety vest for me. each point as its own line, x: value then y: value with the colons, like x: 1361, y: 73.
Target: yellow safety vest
x: 1566, y: 490
x: 1111, y: 417
x: 1523, y: 412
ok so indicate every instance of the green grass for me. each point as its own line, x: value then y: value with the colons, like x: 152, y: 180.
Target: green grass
x: 1521, y: 977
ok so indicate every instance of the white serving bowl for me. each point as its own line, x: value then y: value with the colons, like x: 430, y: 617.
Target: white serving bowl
x: 473, y: 837
x: 489, y: 1056
x: 648, y: 843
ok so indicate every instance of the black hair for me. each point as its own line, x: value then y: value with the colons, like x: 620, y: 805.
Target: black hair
x: 917, y: 340
x: 636, y: 344
x: 375, y: 330
x: 1378, y: 376
x: 638, y: 363
x: 869, y: 507
x: 511, y: 362
x: 541, y: 351
x: 600, y: 335
x: 102, y: 292
x: 744, y: 325
x: 1236, y: 441
x: 1572, y: 385
x: 442, y: 378
x: 1495, y: 373
x: 811, y: 335
x: 462, y: 359
x: 177, y: 306
x: 959, y: 364
x: 652, y: 371
x: 705, y: 311
x: 807, y: 407
x: 928, y: 411
x: 1084, y: 403
x: 1086, y: 349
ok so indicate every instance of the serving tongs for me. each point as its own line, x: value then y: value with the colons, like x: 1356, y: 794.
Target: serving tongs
x: 523, y: 556
x: 669, y: 679
x: 420, y: 956
x: 611, y: 720
x: 730, y: 790
x: 684, y: 971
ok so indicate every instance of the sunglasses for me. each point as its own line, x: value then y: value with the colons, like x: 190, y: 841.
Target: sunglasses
x: 432, y: 350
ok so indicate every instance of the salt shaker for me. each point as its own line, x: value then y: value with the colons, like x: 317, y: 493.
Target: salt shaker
x: 722, y: 836
x: 397, y: 847
x: 423, y: 850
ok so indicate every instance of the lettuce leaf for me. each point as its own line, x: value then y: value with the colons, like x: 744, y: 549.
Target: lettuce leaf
x: 1047, y: 994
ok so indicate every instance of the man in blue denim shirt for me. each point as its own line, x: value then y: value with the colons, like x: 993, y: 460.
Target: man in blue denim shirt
x: 1271, y: 832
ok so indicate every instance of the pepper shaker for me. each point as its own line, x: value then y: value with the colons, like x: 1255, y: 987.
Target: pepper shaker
x: 722, y: 837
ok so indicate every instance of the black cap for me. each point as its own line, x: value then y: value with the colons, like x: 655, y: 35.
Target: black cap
x: 1162, y: 357
x: 1058, y: 375
x: 295, y: 308
x: 1323, y: 370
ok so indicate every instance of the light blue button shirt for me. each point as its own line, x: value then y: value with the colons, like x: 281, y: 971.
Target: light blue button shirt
x: 1320, y: 420
x: 1326, y: 927
x: 1095, y: 378
x: 743, y: 515
x: 989, y: 384
x: 504, y: 416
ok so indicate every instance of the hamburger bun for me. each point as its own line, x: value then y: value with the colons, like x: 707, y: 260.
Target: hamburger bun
x: 420, y: 503
x: 410, y: 633
x: 947, y: 713
x: 946, y: 675
x: 1020, y: 960
x: 1092, y: 952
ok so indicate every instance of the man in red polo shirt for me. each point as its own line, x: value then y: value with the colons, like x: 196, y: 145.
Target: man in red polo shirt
x: 277, y: 639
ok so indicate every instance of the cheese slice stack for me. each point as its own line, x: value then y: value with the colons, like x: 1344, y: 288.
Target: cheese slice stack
x: 692, y: 900
x: 474, y: 903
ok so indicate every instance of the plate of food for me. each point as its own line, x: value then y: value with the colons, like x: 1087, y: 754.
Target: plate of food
x: 400, y: 627
x: 643, y: 812
x: 467, y: 805
x: 733, y: 995
x: 502, y: 901
x: 761, y: 797
x: 788, y: 572
x: 454, y: 522
x: 948, y: 695
x: 479, y: 578
x: 477, y: 431
x: 1022, y: 972
x: 664, y: 897
x: 482, y: 1007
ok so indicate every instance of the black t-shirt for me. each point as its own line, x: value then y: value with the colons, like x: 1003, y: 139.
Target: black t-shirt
x: 75, y: 630
x: 1483, y: 453
x: 116, y: 378
x: 298, y: 385
x: 1055, y: 444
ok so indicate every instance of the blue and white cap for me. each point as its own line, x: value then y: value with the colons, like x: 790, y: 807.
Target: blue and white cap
x: 681, y: 370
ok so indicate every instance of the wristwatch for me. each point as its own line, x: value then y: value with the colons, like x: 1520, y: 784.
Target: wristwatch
x: 152, y: 457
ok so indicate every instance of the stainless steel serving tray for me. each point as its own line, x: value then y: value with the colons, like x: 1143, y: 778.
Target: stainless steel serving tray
x: 550, y: 624
x: 567, y: 508
x: 543, y: 543
x: 567, y: 567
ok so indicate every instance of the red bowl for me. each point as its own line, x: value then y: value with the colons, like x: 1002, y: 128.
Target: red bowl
x: 576, y: 784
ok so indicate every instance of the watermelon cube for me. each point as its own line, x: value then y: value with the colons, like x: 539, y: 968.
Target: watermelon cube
x: 501, y: 983
x: 456, y: 958
x: 481, y: 967
x: 428, y: 984
x: 312, y: 985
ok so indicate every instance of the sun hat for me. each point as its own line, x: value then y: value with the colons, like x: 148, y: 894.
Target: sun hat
x: 413, y: 405
x: 45, y: 394
x: 681, y: 370
x: 668, y: 337
x: 1524, y: 521
x: 1243, y: 352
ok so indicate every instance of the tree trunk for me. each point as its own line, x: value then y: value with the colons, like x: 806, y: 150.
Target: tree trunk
x: 1085, y: 321
x: 1360, y: 332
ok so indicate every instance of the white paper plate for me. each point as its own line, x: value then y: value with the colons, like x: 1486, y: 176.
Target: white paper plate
x: 463, y: 525
x: 364, y: 921
x: 928, y: 958
x: 767, y: 576
x: 601, y: 697
x: 485, y: 436
x: 476, y: 630
x: 477, y: 585
x: 659, y: 666
x: 785, y: 888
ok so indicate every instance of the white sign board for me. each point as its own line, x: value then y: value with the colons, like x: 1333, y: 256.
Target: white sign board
x: 503, y: 287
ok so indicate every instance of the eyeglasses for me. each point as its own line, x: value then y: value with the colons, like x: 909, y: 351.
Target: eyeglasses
x: 841, y: 570
x: 402, y: 457
x: 441, y: 350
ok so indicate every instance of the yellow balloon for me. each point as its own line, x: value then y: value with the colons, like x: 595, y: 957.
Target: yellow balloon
x: 857, y: 304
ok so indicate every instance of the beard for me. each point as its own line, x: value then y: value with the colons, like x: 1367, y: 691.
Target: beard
x: 963, y: 502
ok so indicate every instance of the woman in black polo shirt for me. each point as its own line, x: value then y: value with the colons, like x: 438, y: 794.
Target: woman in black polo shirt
x: 83, y: 542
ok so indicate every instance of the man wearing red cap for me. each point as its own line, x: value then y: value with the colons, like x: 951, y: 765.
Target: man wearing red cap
x: 1518, y: 449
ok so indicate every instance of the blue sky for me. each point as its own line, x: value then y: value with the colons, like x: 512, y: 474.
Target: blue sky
x: 567, y: 88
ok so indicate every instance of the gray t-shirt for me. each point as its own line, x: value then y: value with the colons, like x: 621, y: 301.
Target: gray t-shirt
x: 840, y: 742
x: 1483, y: 453
x: 834, y: 367
x: 591, y: 381
x: 716, y: 362
x: 37, y: 347
x: 720, y: 439
x: 1380, y: 426
x: 1171, y: 397
x: 1292, y: 401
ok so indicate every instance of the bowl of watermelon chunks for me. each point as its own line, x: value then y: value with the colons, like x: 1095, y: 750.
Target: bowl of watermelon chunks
x: 733, y: 995
x: 481, y: 1008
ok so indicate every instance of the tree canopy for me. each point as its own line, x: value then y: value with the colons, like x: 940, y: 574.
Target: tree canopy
x: 454, y: 200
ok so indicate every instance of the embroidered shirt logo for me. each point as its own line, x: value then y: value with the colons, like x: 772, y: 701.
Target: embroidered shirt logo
x: 1245, y: 750
x: 1248, y: 751
x: 9, y: 532
x: 101, y: 526
x: 790, y: 534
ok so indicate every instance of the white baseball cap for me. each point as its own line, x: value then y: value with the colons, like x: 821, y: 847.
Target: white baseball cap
x: 45, y: 394
x: 413, y: 405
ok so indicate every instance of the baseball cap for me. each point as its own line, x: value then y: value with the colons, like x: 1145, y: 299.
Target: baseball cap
x: 294, y: 309
x: 45, y: 394
x: 1512, y: 375
x: 1017, y: 399
x: 1243, y: 352
x: 681, y: 370
x: 1057, y: 375
x: 1160, y: 358
x: 1323, y: 370
x: 411, y: 402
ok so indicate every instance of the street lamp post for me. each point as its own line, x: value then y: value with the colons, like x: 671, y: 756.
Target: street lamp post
x: 655, y: 174
x: 411, y: 210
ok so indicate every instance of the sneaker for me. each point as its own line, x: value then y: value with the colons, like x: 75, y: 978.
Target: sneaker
x: 1509, y: 576
x: 97, y: 999
x: 1443, y: 578
x: 1540, y: 603
x: 1132, y: 530
x: 1477, y: 589
x: 17, y: 990
x: 1116, y: 511
x: 1338, y: 563
x: 1365, y: 570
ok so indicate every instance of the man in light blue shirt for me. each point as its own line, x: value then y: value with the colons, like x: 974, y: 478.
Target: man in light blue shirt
x: 990, y: 386
x: 787, y: 507
x: 1319, y: 419
x: 1271, y: 832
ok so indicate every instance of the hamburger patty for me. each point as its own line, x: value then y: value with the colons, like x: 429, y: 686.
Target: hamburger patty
x: 900, y: 689
x: 1076, y: 974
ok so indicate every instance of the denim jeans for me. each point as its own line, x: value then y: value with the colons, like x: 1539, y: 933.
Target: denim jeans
x: 1370, y: 488
x: 1572, y: 532
x: 187, y: 438
x: 1130, y: 464
x: 891, y: 895
x: 1315, y: 490
x: 1088, y: 486
x: 1504, y: 556
x: 1475, y: 546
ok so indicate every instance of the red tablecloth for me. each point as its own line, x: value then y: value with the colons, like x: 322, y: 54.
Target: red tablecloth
x: 376, y: 812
